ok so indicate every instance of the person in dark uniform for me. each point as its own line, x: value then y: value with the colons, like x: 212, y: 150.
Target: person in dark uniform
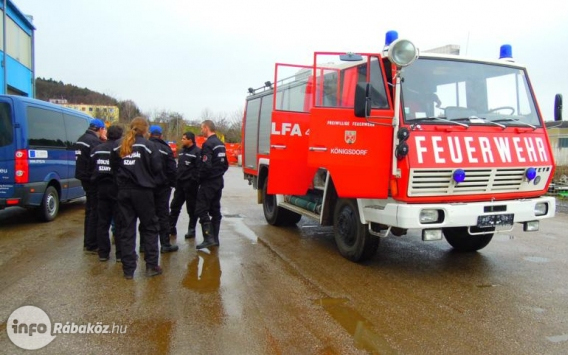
x: 164, y: 180
x: 94, y: 136
x: 135, y: 162
x: 211, y: 170
x: 187, y: 181
x: 107, y: 208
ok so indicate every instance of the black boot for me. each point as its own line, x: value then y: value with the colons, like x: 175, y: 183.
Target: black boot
x: 208, y: 239
x: 190, y: 233
x: 166, y: 247
x: 215, y: 228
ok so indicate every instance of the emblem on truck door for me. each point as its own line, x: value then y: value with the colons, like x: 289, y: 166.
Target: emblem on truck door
x: 350, y: 137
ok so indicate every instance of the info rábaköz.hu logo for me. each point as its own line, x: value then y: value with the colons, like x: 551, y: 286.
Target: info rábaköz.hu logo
x: 29, y: 328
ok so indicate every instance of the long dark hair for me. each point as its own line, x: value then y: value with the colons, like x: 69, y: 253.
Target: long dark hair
x: 138, y: 127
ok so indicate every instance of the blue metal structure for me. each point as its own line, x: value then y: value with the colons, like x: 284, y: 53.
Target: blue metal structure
x: 17, y: 52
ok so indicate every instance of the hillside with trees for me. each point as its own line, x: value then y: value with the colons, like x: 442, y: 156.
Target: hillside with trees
x: 173, y: 123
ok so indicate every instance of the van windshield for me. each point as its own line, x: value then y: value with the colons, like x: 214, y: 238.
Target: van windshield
x: 6, y: 127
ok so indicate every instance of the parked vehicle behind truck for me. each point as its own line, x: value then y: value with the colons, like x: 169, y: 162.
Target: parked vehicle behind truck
x: 37, y: 161
x: 376, y: 144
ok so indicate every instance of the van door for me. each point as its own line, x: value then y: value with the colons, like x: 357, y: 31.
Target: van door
x: 7, y: 150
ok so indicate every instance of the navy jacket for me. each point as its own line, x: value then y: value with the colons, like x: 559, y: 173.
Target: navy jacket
x: 214, y: 161
x: 188, y: 164
x: 139, y: 169
x: 83, y: 148
x: 167, y: 175
x: 100, y: 162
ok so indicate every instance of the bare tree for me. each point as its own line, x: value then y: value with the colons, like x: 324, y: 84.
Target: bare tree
x: 128, y: 110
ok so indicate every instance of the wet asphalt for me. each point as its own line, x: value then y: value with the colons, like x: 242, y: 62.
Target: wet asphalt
x: 269, y: 290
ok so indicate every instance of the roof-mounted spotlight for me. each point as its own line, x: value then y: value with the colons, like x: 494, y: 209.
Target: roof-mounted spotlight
x: 402, y: 52
x: 251, y: 90
x: 268, y: 84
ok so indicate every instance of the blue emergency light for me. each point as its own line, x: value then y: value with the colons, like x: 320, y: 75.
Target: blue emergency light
x: 506, y: 52
x: 530, y: 173
x: 459, y: 175
x: 390, y: 37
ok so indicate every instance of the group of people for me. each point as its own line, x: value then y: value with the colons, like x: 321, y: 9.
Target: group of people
x: 129, y: 176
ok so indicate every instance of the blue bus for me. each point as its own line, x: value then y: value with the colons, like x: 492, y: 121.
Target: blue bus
x: 37, y: 161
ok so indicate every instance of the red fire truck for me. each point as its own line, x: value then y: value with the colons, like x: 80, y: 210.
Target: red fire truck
x: 376, y: 144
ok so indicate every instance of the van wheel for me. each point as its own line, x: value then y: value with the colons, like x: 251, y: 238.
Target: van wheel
x: 351, y: 236
x: 274, y: 215
x: 49, y: 207
x: 460, y: 239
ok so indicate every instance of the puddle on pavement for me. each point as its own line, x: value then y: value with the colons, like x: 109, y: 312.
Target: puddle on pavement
x: 203, y: 272
x: 356, y: 325
x: 558, y: 338
x: 536, y: 259
x: 241, y: 228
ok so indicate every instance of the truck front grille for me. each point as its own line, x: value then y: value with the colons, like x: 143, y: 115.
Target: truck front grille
x: 436, y: 182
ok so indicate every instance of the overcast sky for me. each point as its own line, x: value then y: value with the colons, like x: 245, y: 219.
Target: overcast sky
x: 188, y: 56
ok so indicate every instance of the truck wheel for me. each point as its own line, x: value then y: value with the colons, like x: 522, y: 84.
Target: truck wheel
x: 460, y: 239
x: 49, y: 207
x: 274, y: 215
x: 351, y: 236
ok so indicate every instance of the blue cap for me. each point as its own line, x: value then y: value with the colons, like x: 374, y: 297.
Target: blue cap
x: 155, y: 130
x: 95, y: 122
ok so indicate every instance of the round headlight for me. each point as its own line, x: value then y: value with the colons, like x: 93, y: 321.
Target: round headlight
x: 402, y: 52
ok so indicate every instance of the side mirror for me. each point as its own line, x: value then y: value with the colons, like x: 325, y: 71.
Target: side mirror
x: 362, y: 100
x: 558, y: 107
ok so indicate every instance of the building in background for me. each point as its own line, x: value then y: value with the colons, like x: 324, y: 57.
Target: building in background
x: 17, y: 51
x: 107, y: 113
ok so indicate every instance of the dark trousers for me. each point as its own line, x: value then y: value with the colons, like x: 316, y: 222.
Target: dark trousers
x: 90, y: 226
x: 138, y: 203
x: 190, y: 190
x: 107, y: 209
x: 162, y: 200
x: 208, y: 206
x: 175, y: 207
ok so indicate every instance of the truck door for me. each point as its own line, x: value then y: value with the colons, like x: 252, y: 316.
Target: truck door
x: 289, y: 172
x: 356, y: 151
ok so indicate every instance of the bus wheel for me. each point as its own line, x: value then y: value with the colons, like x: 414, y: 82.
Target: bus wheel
x: 460, y: 239
x: 275, y: 215
x: 351, y: 236
x: 49, y: 207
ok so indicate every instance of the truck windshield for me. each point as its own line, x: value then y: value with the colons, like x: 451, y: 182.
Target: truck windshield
x: 469, y: 92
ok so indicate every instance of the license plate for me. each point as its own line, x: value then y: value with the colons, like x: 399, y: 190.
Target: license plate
x: 495, y: 220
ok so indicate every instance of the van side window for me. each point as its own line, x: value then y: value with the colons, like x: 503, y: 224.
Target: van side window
x: 75, y: 127
x: 6, y: 127
x: 45, y: 128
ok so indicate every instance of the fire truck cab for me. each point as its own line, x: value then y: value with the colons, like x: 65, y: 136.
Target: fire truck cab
x: 375, y: 144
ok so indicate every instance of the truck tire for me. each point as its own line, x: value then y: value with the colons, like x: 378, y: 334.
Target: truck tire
x: 274, y: 215
x: 353, y: 239
x: 49, y: 207
x: 460, y: 239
